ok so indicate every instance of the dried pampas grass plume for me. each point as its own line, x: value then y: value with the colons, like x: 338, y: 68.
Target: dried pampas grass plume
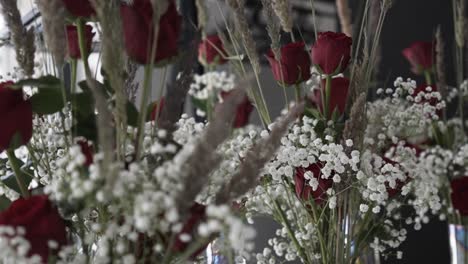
x: 283, y: 11
x: 344, y: 14
x: 355, y: 127
x: 273, y: 28
x: 247, y: 176
x: 23, y: 39
x: 440, y: 63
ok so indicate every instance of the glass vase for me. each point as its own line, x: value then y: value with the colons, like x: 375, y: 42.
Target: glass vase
x: 458, y: 237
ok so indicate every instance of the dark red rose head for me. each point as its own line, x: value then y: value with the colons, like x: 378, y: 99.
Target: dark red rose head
x: 15, y: 117
x: 87, y: 150
x: 460, y: 195
x: 197, y: 215
x: 331, y: 52
x: 338, y: 95
x: 73, y: 43
x: 157, y: 108
x: 211, y: 51
x: 305, y: 191
x: 244, y: 109
x: 79, y: 8
x: 137, y: 19
x: 294, y: 66
x: 420, y: 55
x: 41, y: 221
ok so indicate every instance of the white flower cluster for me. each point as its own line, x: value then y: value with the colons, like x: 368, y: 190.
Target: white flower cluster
x: 403, y: 114
x: 210, y: 84
x: 15, y: 248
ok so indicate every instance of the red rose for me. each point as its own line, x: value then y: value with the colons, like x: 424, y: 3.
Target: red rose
x: 79, y: 8
x: 87, y: 150
x: 138, y: 31
x: 197, y: 215
x: 331, y: 52
x: 338, y: 95
x: 211, y: 50
x: 157, y: 108
x: 41, y: 221
x: 294, y: 66
x: 244, y: 110
x: 73, y: 42
x: 460, y: 195
x: 15, y: 117
x: 420, y: 55
x: 304, y: 190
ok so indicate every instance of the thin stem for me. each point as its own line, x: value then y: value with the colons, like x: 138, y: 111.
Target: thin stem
x: 14, y: 162
x: 326, y: 104
x: 144, y: 102
x: 298, y: 93
x: 427, y: 76
x: 82, y: 42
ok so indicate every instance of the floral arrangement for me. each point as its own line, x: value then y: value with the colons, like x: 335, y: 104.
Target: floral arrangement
x: 89, y: 176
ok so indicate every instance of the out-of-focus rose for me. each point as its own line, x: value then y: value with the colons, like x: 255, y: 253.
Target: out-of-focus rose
x: 338, y: 95
x: 74, y: 51
x: 157, y: 108
x: 331, y: 52
x: 87, y: 150
x: 197, y: 215
x: 137, y: 19
x: 15, y: 117
x: 41, y: 221
x: 79, y: 8
x: 294, y: 66
x: 460, y: 195
x: 304, y: 190
x: 211, y: 51
x: 420, y: 55
x: 244, y: 110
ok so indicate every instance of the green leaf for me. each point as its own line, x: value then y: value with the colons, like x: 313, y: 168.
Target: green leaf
x: 47, y: 101
x: 132, y: 114
x: 83, y: 104
x: 313, y: 113
x: 200, y: 104
x: 85, y: 126
x: 4, y: 203
x: 10, y: 180
x: 44, y: 82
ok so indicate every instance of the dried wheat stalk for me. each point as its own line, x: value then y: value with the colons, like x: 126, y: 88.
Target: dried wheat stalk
x: 355, y: 126
x: 108, y: 13
x: 204, y: 159
x: 23, y: 39
x: 283, y: 11
x: 440, y: 63
x: 273, y: 28
x: 247, y: 176
x: 344, y: 14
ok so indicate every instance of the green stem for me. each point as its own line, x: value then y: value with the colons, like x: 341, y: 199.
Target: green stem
x: 326, y: 104
x: 15, y: 165
x: 80, y: 24
x: 298, y: 93
x: 144, y: 102
x: 427, y: 75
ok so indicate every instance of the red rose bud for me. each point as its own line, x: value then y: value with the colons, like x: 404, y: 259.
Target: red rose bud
x: 79, y: 8
x: 197, y: 215
x: 137, y: 19
x: 87, y: 151
x: 41, y: 221
x: 338, y: 95
x: 294, y: 66
x: 420, y: 55
x: 460, y: 195
x: 15, y: 117
x: 157, y: 108
x: 304, y: 190
x: 331, y: 52
x: 73, y: 42
x: 211, y: 51
x: 244, y: 109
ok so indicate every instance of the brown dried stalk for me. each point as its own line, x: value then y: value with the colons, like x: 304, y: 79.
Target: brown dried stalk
x: 108, y: 13
x: 358, y: 81
x: 23, y: 39
x: 247, y: 176
x: 204, y: 158
x: 440, y: 63
x: 355, y: 126
x: 243, y: 28
x: 131, y: 86
x: 460, y: 23
x: 273, y: 28
x: 202, y: 14
x: 344, y: 14
x: 283, y: 11
x: 177, y: 92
